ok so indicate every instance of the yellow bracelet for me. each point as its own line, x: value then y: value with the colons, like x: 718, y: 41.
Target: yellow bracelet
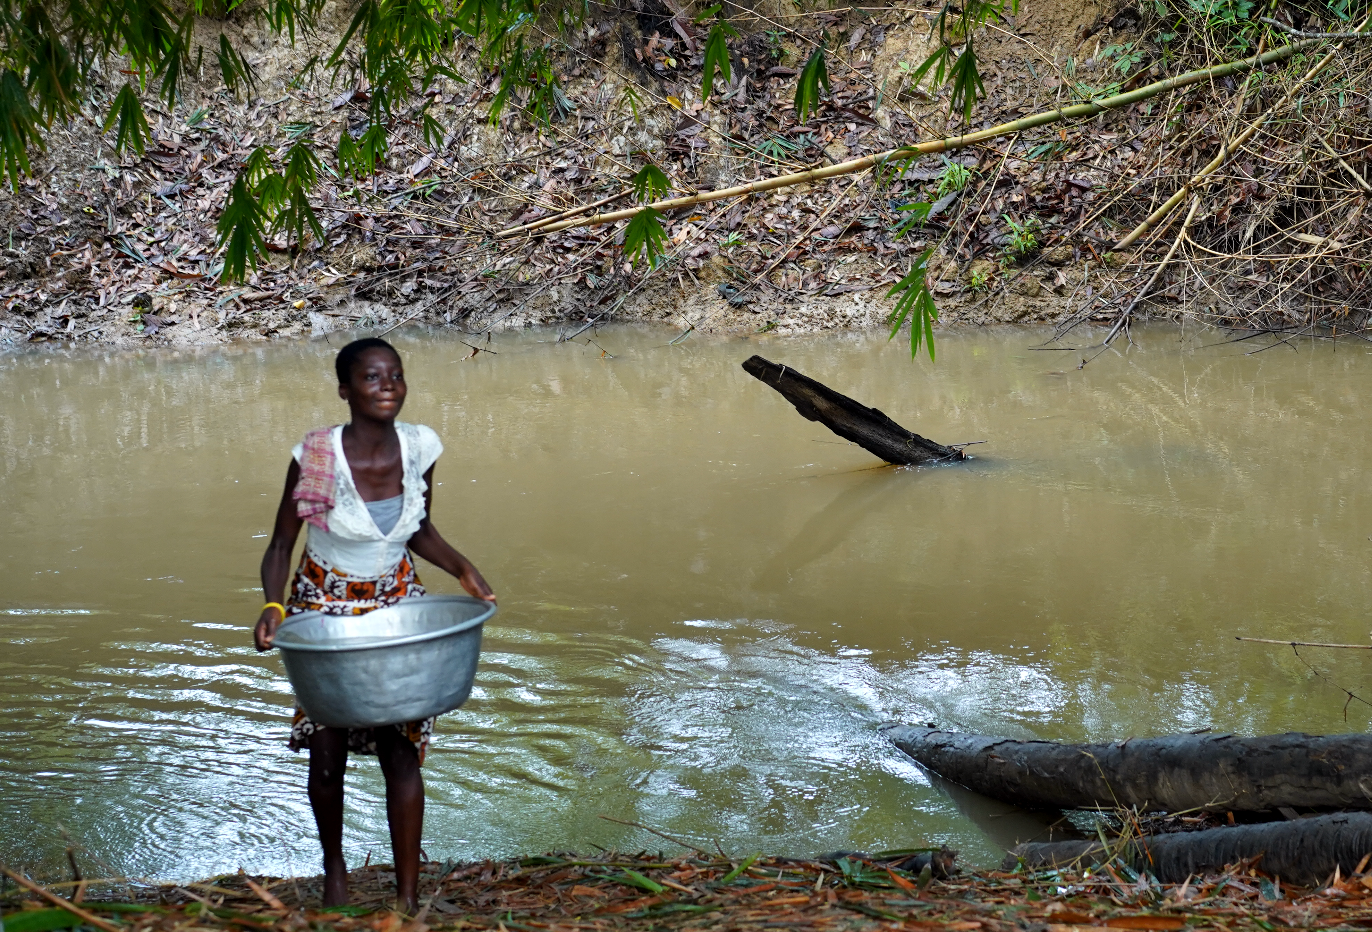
x: 276, y: 605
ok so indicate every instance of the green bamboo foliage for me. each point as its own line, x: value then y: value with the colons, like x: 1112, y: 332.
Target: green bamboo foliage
x: 915, y: 302
x: 645, y: 237
x: 956, y: 25
x: 716, y: 50
x: 813, y: 77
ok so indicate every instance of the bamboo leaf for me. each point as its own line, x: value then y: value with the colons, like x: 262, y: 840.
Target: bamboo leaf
x: 738, y: 871
x: 966, y: 81
x: 716, y: 57
x: 650, y: 183
x: 295, y: 215
x: 630, y: 98
x: 40, y: 920
x: 18, y: 126
x: 645, y: 237
x: 127, y: 111
x: 433, y: 132
x: 234, y: 68
x: 919, y: 212
x: 937, y: 59
x: 635, y: 879
x: 240, y: 230
x: 347, y: 154
x: 915, y: 302
x: 812, y: 77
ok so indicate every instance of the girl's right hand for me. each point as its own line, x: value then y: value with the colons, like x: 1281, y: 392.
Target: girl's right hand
x: 265, y: 632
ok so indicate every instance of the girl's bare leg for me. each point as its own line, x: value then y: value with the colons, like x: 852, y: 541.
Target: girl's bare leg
x: 404, y: 810
x: 328, y: 759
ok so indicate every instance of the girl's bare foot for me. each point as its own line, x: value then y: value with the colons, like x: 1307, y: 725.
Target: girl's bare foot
x: 335, y: 883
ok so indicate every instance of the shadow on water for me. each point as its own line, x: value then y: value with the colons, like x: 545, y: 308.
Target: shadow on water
x: 832, y: 525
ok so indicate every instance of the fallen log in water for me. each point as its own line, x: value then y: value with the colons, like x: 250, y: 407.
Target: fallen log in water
x: 867, y: 427
x: 1305, y: 851
x: 1172, y: 774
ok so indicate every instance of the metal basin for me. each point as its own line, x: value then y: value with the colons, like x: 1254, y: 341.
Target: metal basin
x: 398, y: 664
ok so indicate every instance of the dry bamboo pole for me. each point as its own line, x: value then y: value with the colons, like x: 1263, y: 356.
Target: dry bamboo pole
x: 543, y: 222
x: 1230, y: 147
x: 1305, y: 643
x: 947, y: 144
x: 1157, y: 273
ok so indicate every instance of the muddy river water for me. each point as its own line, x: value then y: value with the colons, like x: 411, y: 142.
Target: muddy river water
x: 708, y: 604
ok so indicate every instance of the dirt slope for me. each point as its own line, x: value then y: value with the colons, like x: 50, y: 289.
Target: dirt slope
x: 122, y: 250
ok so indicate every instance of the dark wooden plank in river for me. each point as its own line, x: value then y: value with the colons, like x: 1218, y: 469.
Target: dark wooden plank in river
x: 867, y: 427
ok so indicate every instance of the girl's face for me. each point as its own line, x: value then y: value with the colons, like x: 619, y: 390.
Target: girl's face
x: 377, y: 388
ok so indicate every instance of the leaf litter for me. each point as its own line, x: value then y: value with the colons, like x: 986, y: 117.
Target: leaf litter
x: 609, y: 892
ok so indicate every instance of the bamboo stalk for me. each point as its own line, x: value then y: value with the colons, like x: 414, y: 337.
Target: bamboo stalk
x: 545, y: 221
x: 1229, y: 148
x: 1305, y: 643
x: 947, y: 144
x: 56, y: 900
x: 1157, y: 273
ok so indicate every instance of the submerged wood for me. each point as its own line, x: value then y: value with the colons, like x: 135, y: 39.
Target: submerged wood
x: 867, y: 427
x: 1305, y: 851
x: 1172, y: 774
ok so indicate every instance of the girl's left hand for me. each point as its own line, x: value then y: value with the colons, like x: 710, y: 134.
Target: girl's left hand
x: 475, y: 585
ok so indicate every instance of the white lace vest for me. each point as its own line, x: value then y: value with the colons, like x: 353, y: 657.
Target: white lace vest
x: 353, y: 544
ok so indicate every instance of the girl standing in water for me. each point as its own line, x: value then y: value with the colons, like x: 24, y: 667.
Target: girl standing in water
x: 366, y: 489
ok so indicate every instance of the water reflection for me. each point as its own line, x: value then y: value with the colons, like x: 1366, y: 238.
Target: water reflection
x: 708, y: 605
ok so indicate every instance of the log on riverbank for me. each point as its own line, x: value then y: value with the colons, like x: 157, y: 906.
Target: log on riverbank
x: 1172, y: 774
x: 1305, y: 851
x: 867, y: 427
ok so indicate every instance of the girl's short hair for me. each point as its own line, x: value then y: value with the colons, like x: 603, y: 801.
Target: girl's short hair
x: 343, y: 363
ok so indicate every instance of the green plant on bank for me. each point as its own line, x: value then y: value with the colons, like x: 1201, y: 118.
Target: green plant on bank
x: 813, y: 77
x: 732, y: 240
x: 954, y: 177
x: 915, y: 302
x: 55, y: 55
x: 777, y: 148
x: 1123, y: 58
x: 775, y: 50
x: 633, y: 100
x: 979, y: 279
x: 1022, y: 237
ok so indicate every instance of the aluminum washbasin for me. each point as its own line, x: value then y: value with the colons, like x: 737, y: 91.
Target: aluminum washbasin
x: 402, y: 663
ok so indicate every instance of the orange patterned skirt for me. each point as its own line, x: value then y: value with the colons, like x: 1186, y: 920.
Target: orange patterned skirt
x: 319, y: 588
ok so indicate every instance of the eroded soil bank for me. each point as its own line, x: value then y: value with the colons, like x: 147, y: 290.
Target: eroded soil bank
x: 122, y: 250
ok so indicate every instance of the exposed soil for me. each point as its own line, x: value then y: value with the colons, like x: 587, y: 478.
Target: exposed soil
x: 122, y: 250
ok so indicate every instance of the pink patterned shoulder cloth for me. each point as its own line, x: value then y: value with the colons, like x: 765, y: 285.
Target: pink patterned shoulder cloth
x: 314, y: 493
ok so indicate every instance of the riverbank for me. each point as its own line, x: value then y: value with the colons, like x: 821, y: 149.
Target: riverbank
x: 612, y: 891
x: 122, y: 249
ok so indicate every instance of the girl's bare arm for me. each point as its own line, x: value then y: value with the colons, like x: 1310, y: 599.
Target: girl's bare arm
x: 430, y: 545
x: 276, y: 562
